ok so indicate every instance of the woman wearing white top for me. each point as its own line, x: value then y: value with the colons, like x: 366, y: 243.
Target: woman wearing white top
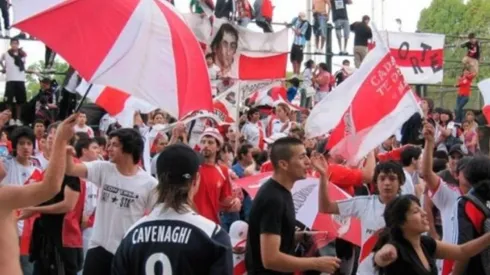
x: 307, y: 91
x: 280, y: 123
x: 389, y: 177
x: 446, y: 130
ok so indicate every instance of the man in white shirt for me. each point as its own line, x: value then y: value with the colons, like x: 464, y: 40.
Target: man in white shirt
x: 126, y: 194
x: 13, y: 65
x: 82, y: 126
x: 411, y: 158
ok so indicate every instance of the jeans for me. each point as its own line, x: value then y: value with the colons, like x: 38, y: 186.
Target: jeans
x: 461, y: 101
x: 26, y: 266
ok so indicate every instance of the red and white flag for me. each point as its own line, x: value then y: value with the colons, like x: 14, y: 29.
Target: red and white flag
x: 241, y: 53
x: 116, y: 103
x: 305, y: 197
x: 381, y: 101
x: 484, y: 87
x: 420, y: 56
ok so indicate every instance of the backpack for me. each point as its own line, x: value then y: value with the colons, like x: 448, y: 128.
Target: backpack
x: 308, y: 31
x: 485, y: 254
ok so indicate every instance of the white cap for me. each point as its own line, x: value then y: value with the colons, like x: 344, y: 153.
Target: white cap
x: 212, y: 132
x: 274, y: 137
x: 238, y: 233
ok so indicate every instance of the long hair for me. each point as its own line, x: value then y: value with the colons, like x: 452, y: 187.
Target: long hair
x: 174, y: 193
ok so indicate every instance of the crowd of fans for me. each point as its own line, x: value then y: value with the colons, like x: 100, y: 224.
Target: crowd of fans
x: 91, y: 208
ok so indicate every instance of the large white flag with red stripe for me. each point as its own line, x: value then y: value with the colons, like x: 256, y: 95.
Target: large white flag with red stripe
x: 116, y: 103
x: 239, y: 52
x: 377, y: 102
x: 420, y: 56
x: 484, y: 87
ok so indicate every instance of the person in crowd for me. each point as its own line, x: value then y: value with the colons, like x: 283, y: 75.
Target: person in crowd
x: 68, y: 94
x: 36, y: 192
x: 442, y: 195
x: 57, y: 243
x: 227, y: 157
x: 411, y: 159
x: 126, y: 194
x: 5, y: 145
x: 244, y: 160
x: 403, y: 249
x: 83, y: 127
x: 343, y: 73
x: 280, y: 122
x: 471, y: 118
x: 472, y: 57
x: 263, y: 14
x: 45, y: 102
x: 87, y: 150
x: 224, y: 47
x: 201, y: 246
x: 271, y: 232
x: 469, y: 137
x: 464, y: 91
x: 215, y: 191
x: 214, y: 73
x: 293, y: 89
x: 4, y: 9
x: 363, y: 35
x: 307, y: 89
x: 253, y: 130
x: 39, y: 133
x: 471, y: 221
x: 389, y: 179
x: 446, y: 131
x: 13, y: 65
x: 387, y: 145
x: 322, y: 80
x: 321, y: 10
x: 341, y: 22
x: 244, y: 12
x: 224, y: 9
x: 299, y: 25
x: 21, y: 168
x: 49, y: 56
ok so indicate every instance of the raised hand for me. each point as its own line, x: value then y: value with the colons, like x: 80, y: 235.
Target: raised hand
x: 319, y: 163
x: 65, y: 130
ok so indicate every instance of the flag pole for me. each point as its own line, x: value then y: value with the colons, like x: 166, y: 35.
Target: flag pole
x: 83, y: 98
x: 237, y: 122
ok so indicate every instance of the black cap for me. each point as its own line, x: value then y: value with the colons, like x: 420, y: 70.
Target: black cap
x: 178, y: 162
x: 458, y: 148
x: 46, y: 80
x: 462, y: 163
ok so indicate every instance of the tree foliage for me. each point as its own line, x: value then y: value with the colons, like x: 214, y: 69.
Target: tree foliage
x: 32, y: 80
x: 455, y: 18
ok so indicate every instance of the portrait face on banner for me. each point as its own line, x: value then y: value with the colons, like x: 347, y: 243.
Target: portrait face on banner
x: 224, y: 46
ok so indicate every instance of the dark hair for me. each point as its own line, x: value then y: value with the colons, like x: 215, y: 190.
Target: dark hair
x: 294, y: 81
x: 82, y: 135
x: 471, y: 35
x: 251, y: 112
x: 243, y: 150
x: 439, y: 164
x: 102, y: 141
x: 323, y: 66
x: 38, y: 121
x: 225, y: 28
x: 477, y: 170
x: 440, y: 154
x: 430, y: 103
x: 22, y: 132
x: 210, y: 55
x: 131, y: 141
x: 365, y: 17
x: 395, y: 215
x: 388, y: 167
x: 281, y: 149
x: 52, y: 126
x: 83, y: 143
x: 409, y: 154
x: 14, y: 39
x: 309, y: 64
x: 346, y: 62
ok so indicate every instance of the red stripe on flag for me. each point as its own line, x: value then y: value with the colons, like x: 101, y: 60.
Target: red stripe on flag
x: 421, y: 58
x: 367, y: 247
x: 486, y: 113
x: 269, y: 67
x: 193, y: 86
x: 112, y: 100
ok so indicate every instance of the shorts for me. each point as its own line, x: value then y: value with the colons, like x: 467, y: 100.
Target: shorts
x: 297, y: 53
x: 342, y: 24
x: 15, y: 90
x: 320, y: 24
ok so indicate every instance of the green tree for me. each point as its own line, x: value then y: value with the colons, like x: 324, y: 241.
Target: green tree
x: 32, y: 80
x: 456, y: 20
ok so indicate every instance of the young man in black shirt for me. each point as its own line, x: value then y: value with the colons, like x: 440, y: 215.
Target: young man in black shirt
x: 271, y: 233
x: 363, y: 35
x: 472, y: 57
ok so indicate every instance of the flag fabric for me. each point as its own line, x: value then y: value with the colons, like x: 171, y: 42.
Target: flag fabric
x: 116, y: 103
x: 381, y: 102
x: 241, y: 53
x: 305, y: 197
x: 144, y: 48
x: 484, y: 87
x: 420, y: 56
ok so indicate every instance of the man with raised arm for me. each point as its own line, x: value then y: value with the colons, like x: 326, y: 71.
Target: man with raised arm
x: 13, y: 197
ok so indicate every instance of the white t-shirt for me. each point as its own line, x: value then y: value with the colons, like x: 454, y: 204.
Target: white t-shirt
x: 43, y: 162
x: 408, y: 187
x: 196, y: 131
x: 13, y: 72
x: 91, y: 192
x: 19, y: 175
x: 251, y: 132
x: 121, y: 202
x: 369, y: 210
x: 85, y: 129
x: 276, y: 126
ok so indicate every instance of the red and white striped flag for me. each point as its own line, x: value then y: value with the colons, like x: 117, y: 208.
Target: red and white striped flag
x: 420, y: 56
x: 484, y: 87
x: 377, y: 102
x: 116, y: 103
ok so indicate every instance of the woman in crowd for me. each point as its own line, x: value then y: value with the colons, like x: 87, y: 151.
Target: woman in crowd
x: 403, y: 249
x: 445, y: 131
x: 469, y: 137
x: 307, y: 90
